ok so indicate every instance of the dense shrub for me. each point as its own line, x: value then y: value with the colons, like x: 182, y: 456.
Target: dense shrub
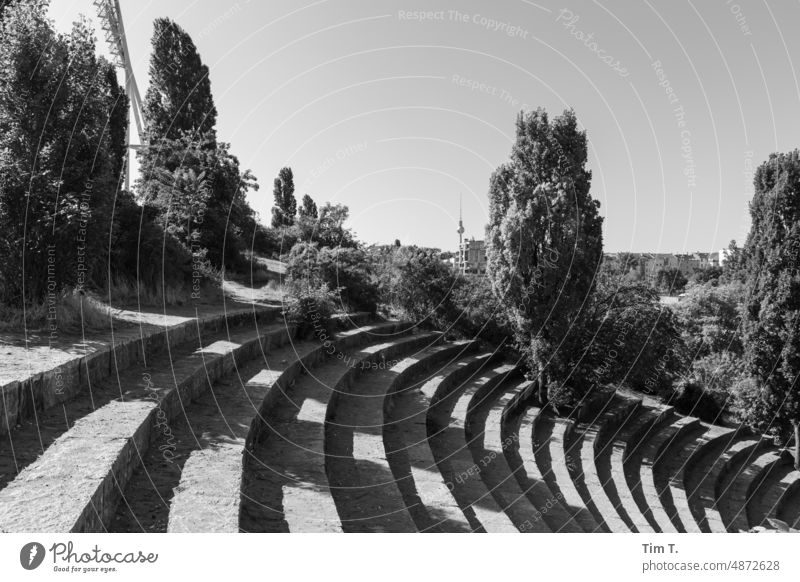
x: 346, y: 272
x: 309, y: 307
x: 710, y: 318
x: 425, y: 289
x: 623, y: 337
x: 142, y: 251
x: 479, y: 312
x: 670, y: 281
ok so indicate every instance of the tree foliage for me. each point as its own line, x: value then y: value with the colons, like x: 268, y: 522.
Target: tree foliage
x: 61, y: 152
x: 544, y: 240
x: 309, y: 208
x: 285, y: 207
x: 178, y: 101
x: 772, y: 306
x: 670, y: 281
x: 192, y: 182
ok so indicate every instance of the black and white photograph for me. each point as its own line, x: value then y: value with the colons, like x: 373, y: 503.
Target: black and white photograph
x: 390, y: 266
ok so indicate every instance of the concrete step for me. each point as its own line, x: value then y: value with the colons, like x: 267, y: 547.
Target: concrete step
x: 779, y: 485
x: 447, y: 418
x: 199, y: 488
x: 364, y: 489
x: 788, y: 508
x: 484, y: 432
x: 698, y: 485
x: 427, y: 495
x: 675, y: 471
x: 592, y: 447
x: 738, y: 489
x: 551, y: 435
x: 23, y: 401
x: 608, y: 455
x: 76, y: 484
x: 653, y: 456
x: 286, y: 474
x: 713, y: 468
x: 623, y: 444
x: 519, y: 431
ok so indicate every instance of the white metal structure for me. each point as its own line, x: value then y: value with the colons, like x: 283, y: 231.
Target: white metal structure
x: 110, y: 15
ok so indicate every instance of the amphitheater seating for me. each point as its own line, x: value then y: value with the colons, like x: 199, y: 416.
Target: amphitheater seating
x: 380, y: 428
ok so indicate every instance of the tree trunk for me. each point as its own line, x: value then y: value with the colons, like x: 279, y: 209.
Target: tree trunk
x: 796, y: 425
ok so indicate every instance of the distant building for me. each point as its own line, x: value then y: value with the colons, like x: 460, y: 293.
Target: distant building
x: 473, y: 256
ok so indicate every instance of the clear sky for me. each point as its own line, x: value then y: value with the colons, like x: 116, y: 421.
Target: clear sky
x: 395, y: 113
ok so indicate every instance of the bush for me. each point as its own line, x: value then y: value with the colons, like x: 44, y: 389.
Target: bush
x: 309, y: 308
x: 346, y: 271
x: 141, y: 250
x: 710, y: 319
x: 693, y: 398
x: 624, y: 337
x: 425, y: 289
x: 480, y: 312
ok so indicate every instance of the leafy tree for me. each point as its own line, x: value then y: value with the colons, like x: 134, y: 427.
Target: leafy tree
x: 198, y: 193
x: 706, y: 275
x: 624, y: 337
x: 285, y: 204
x: 735, y: 266
x: 772, y: 304
x: 308, y: 208
x: 425, y: 289
x: 57, y: 156
x: 670, y: 281
x: 544, y: 240
x: 178, y: 101
x: 117, y: 103
x: 193, y: 183
x: 329, y: 230
x: 710, y: 319
x: 347, y: 272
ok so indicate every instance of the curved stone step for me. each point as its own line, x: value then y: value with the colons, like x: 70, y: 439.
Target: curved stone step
x: 736, y: 497
x: 653, y: 455
x: 100, y: 377
x: 788, y: 507
x: 519, y: 429
x: 285, y: 485
x: 198, y: 489
x: 626, y: 456
x: 698, y: 467
x: 84, y: 471
x: 767, y: 492
x: 593, y: 449
x: 363, y: 486
x: 427, y: 495
x: 677, y: 460
x: 484, y: 433
x: 611, y: 473
x: 550, y: 436
x: 712, y: 464
x: 22, y: 401
x: 446, y: 433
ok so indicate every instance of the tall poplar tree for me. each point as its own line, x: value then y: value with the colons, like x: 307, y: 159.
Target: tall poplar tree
x: 772, y: 305
x: 544, y: 239
x: 178, y: 101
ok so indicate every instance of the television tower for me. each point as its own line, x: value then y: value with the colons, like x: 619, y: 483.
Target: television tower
x: 461, y: 259
x: 110, y: 15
